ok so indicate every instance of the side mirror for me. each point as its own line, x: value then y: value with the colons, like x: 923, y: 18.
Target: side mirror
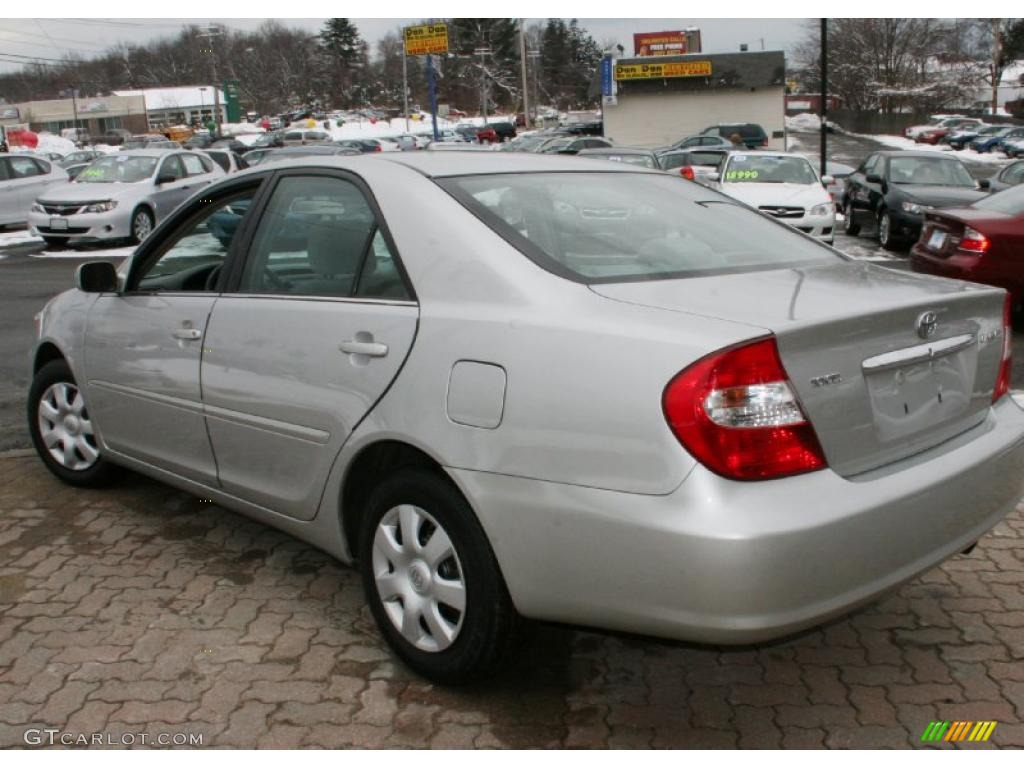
x: 984, y: 184
x: 826, y: 180
x: 165, y: 178
x: 873, y: 178
x: 96, y: 277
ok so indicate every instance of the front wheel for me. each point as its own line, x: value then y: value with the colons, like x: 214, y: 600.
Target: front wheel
x: 432, y: 581
x: 142, y: 225
x: 62, y: 430
x: 885, y: 234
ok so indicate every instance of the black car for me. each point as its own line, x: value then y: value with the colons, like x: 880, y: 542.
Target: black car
x: 506, y: 131
x: 1010, y: 176
x: 894, y: 189
x: 752, y: 135
x: 586, y: 128
x: 361, y: 146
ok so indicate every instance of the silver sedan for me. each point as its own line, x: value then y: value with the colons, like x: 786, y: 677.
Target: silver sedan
x: 119, y: 196
x: 524, y: 386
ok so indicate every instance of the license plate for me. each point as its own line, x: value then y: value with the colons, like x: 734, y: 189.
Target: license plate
x: 937, y: 241
x: 58, y: 223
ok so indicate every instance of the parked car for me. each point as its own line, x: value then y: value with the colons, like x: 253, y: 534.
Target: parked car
x: 361, y: 145
x: 74, y: 170
x: 228, y: 160
x: 1014, y: 148
x: 982, y: 242
x: 962, y: 138
x: 310, y: 151
x: 1008, y: 141
x: 938, y: 132
x: 405, y: 141
x: 255, y: 156
x: 584, y: 128
x: 78, y: 157
x: 299, y: 138
x: 783, y: 185
x: 487, y: 134
x: 838, y: 172
x: 568, y: 145
x: 912, y: 132
x: 752, y: 135
x: 114, y: 137
x: 269, y: 139
x: 149, y: 141
x: 120, y: 196
x: 894, y: 190
x: 682, y: 421
x: 701, y: 165
x: 990, y: 140
x: 467, y: 131
x: 525, y: 143
x: 22, y: 179
x: 1010, y: 176
x: 701, y: 140
x: 644, y: 158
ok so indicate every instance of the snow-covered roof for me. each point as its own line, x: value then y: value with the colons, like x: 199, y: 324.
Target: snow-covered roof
x: 182, y: 97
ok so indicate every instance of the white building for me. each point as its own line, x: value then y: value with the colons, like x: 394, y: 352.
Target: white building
x: 184, y: 105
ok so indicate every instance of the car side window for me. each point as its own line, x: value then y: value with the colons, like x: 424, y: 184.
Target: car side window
x: 311, y: 240
x: 194, y: 255
x: 380, y: 278
x: 193, y: 166
x: 172, y: 167
x: 870, y: 165
x: 23, y: 167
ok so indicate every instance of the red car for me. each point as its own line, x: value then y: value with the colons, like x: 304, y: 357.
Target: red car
x: 983, y: 242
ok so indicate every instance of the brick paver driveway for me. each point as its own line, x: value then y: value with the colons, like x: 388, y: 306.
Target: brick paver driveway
x: 144, y: 610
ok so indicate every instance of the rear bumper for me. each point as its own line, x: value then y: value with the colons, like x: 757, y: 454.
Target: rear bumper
x: 987, y: 270
x: 726, y: 562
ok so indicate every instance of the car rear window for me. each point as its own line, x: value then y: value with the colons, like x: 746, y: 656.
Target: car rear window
x: 617, y: 227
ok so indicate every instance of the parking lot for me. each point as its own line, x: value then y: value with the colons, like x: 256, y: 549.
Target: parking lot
x: 140, y: 609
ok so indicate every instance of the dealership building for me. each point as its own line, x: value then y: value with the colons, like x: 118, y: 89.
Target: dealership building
x: 97, y: 114
x: 652, y: 101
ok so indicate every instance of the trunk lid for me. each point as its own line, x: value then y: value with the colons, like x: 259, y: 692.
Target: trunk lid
x: 875, y: 388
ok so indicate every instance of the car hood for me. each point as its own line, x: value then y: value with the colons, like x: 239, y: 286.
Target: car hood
x: 71, y: 192
x: 940, y: 197
x: 756, y: 195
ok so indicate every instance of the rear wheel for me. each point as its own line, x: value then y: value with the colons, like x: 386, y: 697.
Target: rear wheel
x: 432, y: 581
x: 62, y: 430
x: 885, y: 234
x: 850, y: 226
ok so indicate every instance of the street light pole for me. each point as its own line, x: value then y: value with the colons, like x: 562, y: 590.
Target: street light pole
x: 482, y: 53
x: 823, y: 110
x: 212, y: 31
x: 522, y: 61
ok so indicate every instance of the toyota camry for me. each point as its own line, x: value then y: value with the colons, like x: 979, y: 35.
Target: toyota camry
x: 517, y: 386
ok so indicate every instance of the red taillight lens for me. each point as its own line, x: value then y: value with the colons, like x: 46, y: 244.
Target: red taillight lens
x: 974, y: 241
x: 736, y: 412
x: 1003, y: 379
x: 687, y: 172
x: 378, y: 148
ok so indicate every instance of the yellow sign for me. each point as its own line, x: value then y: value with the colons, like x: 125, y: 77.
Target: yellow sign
x: 654, y: 70
x: 425, y: 39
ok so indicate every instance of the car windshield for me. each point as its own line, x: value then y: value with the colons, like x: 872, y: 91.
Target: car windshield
x: 615, y: 227
x: 123, y: 168
x: 929, y: 171
x: 644, y: 161
x: 1009, y: 201
x: 769, y: 169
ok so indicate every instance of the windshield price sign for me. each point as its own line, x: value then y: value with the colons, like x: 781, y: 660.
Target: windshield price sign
x: 656, y: 70
x: 426, y: 39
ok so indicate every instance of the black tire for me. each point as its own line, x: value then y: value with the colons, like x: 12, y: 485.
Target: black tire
x: 135, y: 235
x: 56, y: 242
x: 885, y: 237
x: 101, y: 472
x: 850, y: 225
x: 489, y: 621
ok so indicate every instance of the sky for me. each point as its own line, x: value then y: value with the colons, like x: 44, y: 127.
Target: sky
x: 55, y: 37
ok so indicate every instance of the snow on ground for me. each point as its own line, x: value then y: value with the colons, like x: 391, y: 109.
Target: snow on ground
x: 901, y: 142
x: 86, y: 253
x: 17, y: 237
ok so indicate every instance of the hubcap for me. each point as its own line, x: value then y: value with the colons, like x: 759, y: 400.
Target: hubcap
x: 142, y: 226
x: 883, y: 230
x: 419, y: 578
x: 65, y: 427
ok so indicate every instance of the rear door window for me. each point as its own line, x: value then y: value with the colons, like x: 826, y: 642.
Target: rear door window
x: 24, y: 167
x: 193, y: 165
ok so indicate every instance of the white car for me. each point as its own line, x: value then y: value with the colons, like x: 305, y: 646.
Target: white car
x: 22, y: 178
x: 934, y: 122
x: 784, y: 185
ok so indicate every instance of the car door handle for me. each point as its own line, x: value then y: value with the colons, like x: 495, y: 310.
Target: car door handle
x: 368, y: 348
x: 188, y: 334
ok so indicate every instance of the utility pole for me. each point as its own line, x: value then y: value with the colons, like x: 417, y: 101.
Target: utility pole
x: 482, y: 53
x: 74, y: 108
x: 405, y: 85
x: 212, y: 31
x: 522, y: 61
x: 997, y: 54
x: 534, y: 55
x: 823, y: 110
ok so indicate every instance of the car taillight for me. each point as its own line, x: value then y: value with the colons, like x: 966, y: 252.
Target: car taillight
x: 974, y: 241
x: 736, y: 412
x: 1005, y: 365
x: 378, y: 148
x: 687, y: 172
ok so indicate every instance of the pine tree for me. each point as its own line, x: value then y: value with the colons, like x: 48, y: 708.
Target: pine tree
x: 345, y: 55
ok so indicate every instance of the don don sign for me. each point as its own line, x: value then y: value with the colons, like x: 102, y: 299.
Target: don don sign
x: 426, y: 39
x: 654, y: 71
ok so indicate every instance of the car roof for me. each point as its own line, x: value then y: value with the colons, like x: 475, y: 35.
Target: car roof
x: 149, y: 152
x: 914, y: 153
x: 616, y: 151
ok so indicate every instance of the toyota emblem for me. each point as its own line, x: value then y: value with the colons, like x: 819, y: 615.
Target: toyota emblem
x: 927, y: 322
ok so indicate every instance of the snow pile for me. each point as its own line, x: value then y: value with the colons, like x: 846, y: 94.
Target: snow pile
x: 49, y: 143
x: 808, y: 122
x: 901, y: 142
x: 240, y: 129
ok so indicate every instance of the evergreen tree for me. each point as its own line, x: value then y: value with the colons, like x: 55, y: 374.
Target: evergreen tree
x: 345, y: 56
